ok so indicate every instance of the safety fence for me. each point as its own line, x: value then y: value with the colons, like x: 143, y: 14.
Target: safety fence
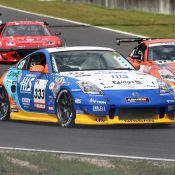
x: 156, y: 6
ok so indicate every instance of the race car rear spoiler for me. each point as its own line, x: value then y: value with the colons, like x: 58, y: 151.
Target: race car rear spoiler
x: 126, y: 40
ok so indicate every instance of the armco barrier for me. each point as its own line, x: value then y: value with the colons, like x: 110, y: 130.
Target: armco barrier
x: 156, y: 6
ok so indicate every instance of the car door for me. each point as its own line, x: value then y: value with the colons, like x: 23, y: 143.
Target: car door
x: 32, y: 85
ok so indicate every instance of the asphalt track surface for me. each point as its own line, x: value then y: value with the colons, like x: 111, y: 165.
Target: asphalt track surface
x: 141, y: 141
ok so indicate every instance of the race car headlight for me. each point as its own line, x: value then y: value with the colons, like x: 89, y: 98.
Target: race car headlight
x: 10, y: 43
x: 163, y: 87
x: 167, y: 75
x: 89, y: 88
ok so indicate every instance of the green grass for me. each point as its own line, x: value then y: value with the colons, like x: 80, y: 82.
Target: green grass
x: 142, y: 23
x: 27, y: 163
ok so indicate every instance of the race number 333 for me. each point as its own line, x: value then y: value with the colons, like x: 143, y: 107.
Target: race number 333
x: 39, y: 94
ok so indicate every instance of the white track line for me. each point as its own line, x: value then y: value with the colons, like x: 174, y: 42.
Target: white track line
x: 87, y: 154
x: 75, y: 22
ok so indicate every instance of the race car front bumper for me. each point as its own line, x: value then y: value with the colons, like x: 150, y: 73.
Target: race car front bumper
x: 94, y: 120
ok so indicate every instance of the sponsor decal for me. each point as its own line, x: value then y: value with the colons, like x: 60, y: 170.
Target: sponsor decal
x: 97, y: 101
x: 135, y: 94
x: 79, y: 112
x: 106, y: 86
x: 55, y: 86
x: 100, y: 120
x: 51, y: 108
x: 19, y: 77
x: 8, y: 81
x: 121, y: 82
x: 30, y: 75
x: 99, y: 108
x: 51, y: 99
x: 119, y: 76
x: 78, y: 101
x: 39, y: 106
x: 142, y: 99
x: 26, y: 85
x: 39, y: 93
x: 171, y: 107
x: 79, y: 74
x: 170, y: 101
x: 140, y: 120
x: 12, y: 74
x: 75, y: 90
x: 26, y: 101
x: 14, y: 110
x: 51, y: 86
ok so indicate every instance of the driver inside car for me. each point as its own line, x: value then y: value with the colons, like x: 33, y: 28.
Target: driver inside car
x: 39, y: 65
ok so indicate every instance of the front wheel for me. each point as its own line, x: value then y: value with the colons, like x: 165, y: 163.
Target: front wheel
x: 65, y: 109
x: 4, y: 105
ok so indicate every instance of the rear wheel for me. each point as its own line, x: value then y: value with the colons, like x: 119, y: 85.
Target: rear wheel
x: 4, y: 105
x: 65, y: 109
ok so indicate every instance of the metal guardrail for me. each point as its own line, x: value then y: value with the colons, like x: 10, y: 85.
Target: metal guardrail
x: 156, y: 6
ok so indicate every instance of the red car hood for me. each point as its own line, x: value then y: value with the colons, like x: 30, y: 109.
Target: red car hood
x: 29, y: 42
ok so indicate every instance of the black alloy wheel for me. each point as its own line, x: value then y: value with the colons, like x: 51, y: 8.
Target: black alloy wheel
x: 65, y: 109
x: 4, y: 105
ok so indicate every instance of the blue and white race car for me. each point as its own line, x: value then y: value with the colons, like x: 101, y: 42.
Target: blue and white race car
x: 83, y: 85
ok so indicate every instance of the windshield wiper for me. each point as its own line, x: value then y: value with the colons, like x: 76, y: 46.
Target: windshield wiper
x: 120, y: 68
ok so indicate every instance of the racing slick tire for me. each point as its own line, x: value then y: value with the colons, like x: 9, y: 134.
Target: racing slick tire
x: 65, y: 109
x: 4, y: 105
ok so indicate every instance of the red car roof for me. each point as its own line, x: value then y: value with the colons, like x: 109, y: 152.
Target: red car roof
x: 24, y: 23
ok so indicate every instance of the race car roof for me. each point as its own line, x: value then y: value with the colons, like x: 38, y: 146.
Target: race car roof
x: 24, y: 23
x: 153, y: 41
x: 73, y: 48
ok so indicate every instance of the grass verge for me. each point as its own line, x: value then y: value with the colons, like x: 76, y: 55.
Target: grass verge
x: 142, y: 23
x: 27, y: 163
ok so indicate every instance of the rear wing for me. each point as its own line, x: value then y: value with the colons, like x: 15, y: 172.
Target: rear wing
x: 127, y: 40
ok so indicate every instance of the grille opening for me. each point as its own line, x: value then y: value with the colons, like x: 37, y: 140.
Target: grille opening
x: 111, y: 113
x: 162, y: 113
x: 138, y: 113
x: 14, y: 55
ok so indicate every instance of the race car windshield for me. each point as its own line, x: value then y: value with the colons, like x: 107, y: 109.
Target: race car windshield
x: 161, y: 52
x: 89, y: 60
x: 26, y: 30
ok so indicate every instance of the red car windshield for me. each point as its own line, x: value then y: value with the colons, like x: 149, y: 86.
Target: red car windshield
x: 164, y: 51
x: 26, y: 30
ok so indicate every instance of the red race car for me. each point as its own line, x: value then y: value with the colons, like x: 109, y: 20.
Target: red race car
x: 24, y: 35
x: 154, y: 56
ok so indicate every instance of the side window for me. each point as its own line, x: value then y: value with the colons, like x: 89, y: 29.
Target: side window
x: 37, y: 59
x: 139, y: 52
x: 22, y: 64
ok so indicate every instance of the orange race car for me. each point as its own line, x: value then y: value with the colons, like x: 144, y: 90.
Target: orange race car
x: 154, y: 56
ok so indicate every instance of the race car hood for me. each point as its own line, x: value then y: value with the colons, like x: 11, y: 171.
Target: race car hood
x: 170, y: 65
x: 113, y: 79
x: 29, y: 42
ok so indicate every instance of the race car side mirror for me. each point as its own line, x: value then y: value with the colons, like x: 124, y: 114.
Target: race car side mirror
x: 57, y: 33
